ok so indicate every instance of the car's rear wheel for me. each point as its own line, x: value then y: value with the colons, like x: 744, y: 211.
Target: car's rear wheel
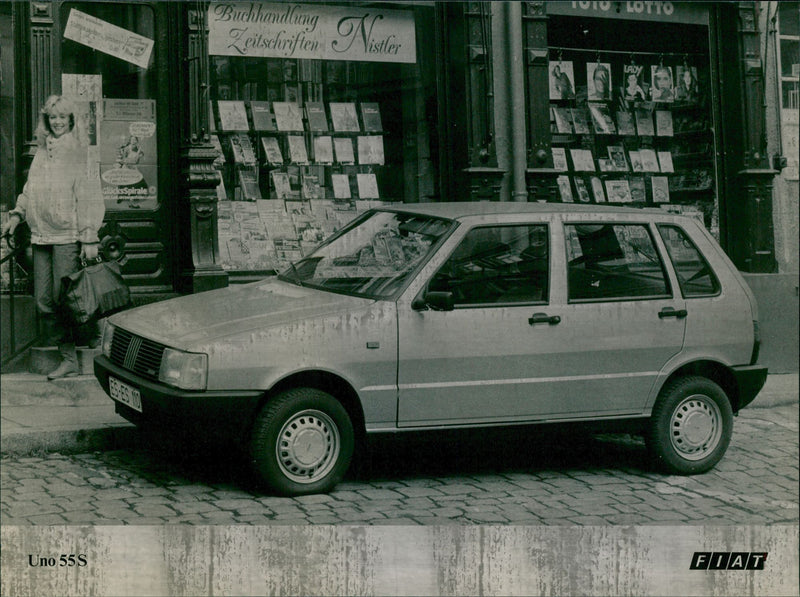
x: 691, y: 426
x: 302, y: 442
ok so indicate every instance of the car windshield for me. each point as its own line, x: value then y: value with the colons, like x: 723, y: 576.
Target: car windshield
x: 373, y: 258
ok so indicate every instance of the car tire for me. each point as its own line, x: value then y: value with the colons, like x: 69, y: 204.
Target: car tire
x: 302, y: 442
x: 690, y: 427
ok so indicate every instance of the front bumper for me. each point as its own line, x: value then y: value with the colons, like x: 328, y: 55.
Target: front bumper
x: 224, y: 413
x: 749, y: 380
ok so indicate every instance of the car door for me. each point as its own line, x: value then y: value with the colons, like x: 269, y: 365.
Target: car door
x: 570, y: 352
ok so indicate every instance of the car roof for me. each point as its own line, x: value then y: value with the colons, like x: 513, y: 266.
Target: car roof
x: 465, y: 209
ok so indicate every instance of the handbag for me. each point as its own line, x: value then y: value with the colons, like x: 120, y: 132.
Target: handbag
x: 93, y: 292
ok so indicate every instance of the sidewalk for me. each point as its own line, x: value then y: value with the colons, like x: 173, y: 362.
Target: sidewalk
x: 75, y: 415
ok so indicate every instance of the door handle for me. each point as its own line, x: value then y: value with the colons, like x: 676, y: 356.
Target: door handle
x: 544, y: 318
x: 670, y: 312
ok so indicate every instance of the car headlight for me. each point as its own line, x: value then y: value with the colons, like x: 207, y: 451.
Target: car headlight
x: 185, y: 370
x: 108, y: 337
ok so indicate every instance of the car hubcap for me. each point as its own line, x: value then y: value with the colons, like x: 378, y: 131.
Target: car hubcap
x: 308, y: 446
x: 696, y: 427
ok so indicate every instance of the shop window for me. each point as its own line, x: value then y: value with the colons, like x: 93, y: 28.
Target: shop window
x: 497, y: 265
x: 107, y: 56
x: 789, y: 68
x: 631, y: 116
x: 306, y: 144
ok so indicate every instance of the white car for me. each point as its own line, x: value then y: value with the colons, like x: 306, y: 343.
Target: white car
x: 454, y: 315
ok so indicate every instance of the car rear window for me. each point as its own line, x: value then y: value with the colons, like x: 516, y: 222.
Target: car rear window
x: 613, y: 262
x: 694, y: 274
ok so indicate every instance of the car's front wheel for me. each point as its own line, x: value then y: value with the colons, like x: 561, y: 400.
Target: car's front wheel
x: 691, y: 426
x: 302, y: 442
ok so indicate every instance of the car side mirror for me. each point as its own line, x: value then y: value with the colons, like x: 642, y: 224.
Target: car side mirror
x: 436, y: 300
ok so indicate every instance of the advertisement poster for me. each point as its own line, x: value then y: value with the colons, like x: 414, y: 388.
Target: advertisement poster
x: 107, y: 38
x: 128, y: 171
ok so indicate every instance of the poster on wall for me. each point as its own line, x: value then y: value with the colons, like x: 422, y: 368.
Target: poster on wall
x: 107, y: 38
x: 128, y: 154
x: 86, y: 92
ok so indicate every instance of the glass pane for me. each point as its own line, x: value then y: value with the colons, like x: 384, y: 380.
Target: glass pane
x: 694, y: 274
x: 789, y: 18
x: 790, y: 95
x: 613, y: 262
x: 790, y: 55
x: 117, y: 97
x: 503, y: 264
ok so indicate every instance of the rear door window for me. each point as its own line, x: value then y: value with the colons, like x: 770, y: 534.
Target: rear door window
x: 694, y: 274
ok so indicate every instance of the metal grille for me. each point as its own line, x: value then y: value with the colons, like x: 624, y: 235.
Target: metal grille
x: 136, y: 354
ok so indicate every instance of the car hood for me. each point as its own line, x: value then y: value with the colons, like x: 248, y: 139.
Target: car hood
x: 191, y: 320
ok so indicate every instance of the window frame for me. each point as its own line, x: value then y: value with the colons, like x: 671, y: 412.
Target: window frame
x: 706, y: 265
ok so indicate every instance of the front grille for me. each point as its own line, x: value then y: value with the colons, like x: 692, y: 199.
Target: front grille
x: 136, y: 354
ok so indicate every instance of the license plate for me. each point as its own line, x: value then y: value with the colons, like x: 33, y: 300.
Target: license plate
x: 125, y: 393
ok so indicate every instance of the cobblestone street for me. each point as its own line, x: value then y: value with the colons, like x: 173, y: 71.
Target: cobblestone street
x: 550, y: 480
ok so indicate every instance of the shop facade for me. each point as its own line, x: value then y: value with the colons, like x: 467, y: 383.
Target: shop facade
x: 230, y: 137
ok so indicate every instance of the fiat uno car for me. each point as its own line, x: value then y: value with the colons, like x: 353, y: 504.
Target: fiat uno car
x: 440, y: 316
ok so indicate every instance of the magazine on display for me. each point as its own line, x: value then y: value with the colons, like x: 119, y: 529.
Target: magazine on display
x: 370, y: 150
x: 248, y: 184
x: 343, y: 149
x: 315, y: 114
x: 580, y: 121
x: 565, y: 189
x: 632, y: 89
x: 665, y: 161
x: 601, y: 119
x: 344, y: 117
x: 582, y: 190
x: 298, y: 154
x: 644, y: 122
x: 582, y: 160
x: 311, y: 188
x: 280, y: 181
x: 242, y: 149
x: 562, y: 118
x: 638, y: 194
x: 660, y: 189
x: 618, y: 191
x: 341, y: 186
x: 232, y: 116
x: 598, y: 81
x: 625, y: 123
x: 371, y: 117
x: 367, y: 186
x: 272, y: 151
x: 664, y: 123
x: 597, y: 189
x: 605, y: 165
x: 323, y: 150
x: 560, y: 159
x: 562, y: 80
x: 687, y: 88
x: 649, y: 160
x: 261, y: 116
x: 616, y: 153
x: 288, y: 116
x: 636, y: 161
x: 662, y: 84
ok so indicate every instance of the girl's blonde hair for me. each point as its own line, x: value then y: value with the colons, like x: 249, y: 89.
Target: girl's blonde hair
x: 58, y: 104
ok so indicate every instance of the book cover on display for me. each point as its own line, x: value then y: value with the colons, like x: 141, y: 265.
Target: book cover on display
x: 323, y: 150
x: 232, y: 116
x: 665, y: 161
x: 625, y: 123
x: 280, y: 182
x: 344, y: 117
x: 580, y: 121
x: 298, y: 154
x: 598, y: 81
x: 660, y: 189
x: 288, y: 116
x: 126, y: 154
x: 370, y: 150
x: 601, y: 119
x: 343, y: 149
x: 562, y: 80
x: 564, y: 189
x: 371, y: 117
x: 582, y: 160
x: 636, y: 161
x: 367, y: 186
x: 582, y: 190
x: 664, y: 123
x: 560, y: 159
x: 618, y: 191
x: 662, y: 84
x: 616, y: 153
x: 563, y: 121
x: 649, y: 160
x: 597, y: 189
x: 341, y: 186
x: 644, y: 122
x: 272, y: 151
x: 261, y: 117
x: 317, y: 120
